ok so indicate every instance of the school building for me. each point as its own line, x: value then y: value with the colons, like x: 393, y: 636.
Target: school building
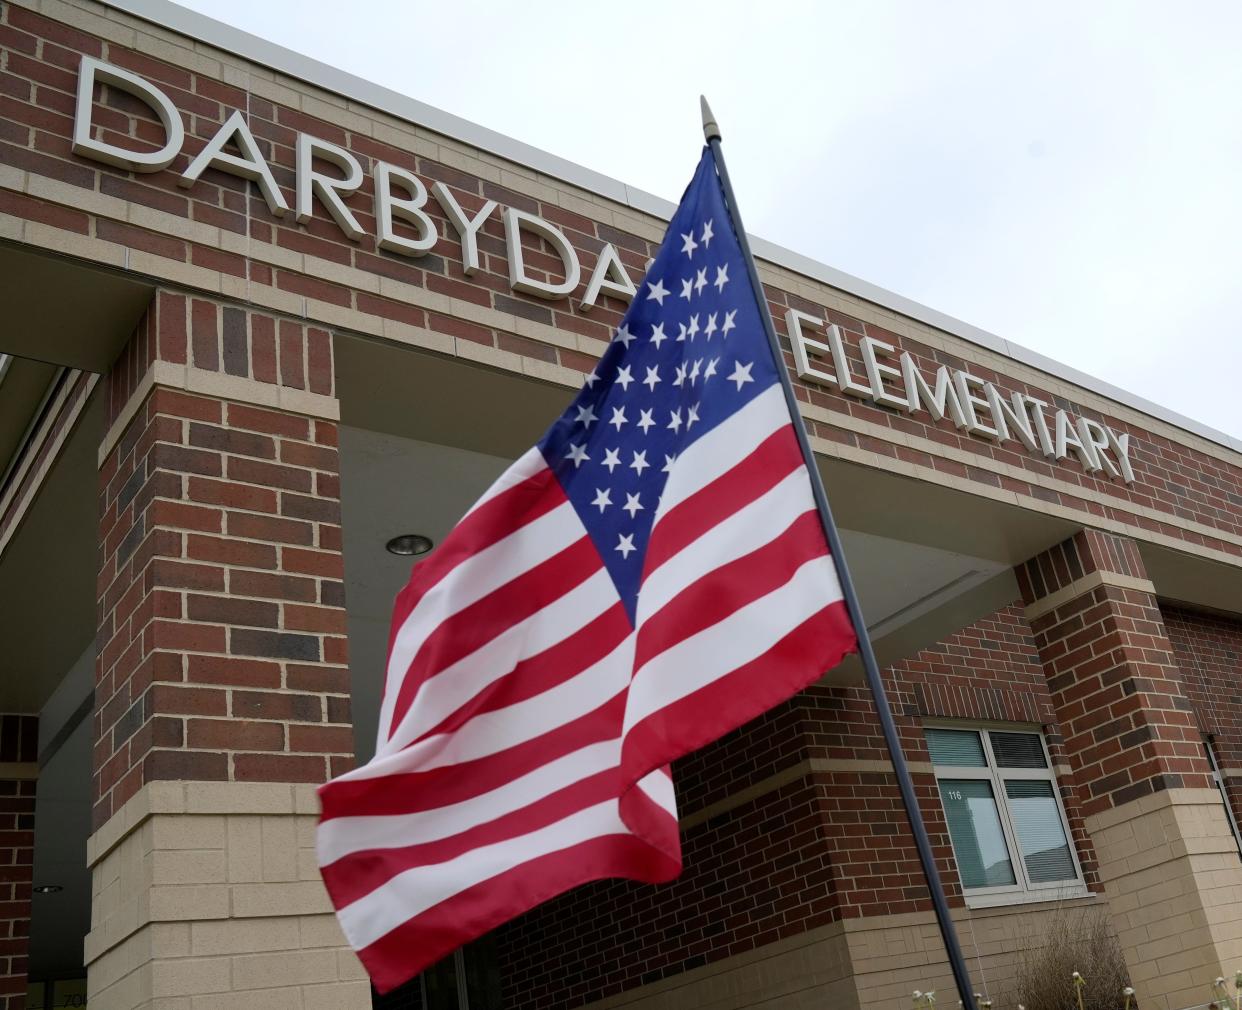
x: 266, y: 325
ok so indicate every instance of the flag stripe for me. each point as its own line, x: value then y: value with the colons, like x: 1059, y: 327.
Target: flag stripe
x: 748, y: 529
x: 796, y: 661
x: 472, y: 623
x: 758, y: 472
x: 506, y: 556
x: 714, y: 652
x: 475, y: 909
x: 469, y: 684
x: 718, y: 595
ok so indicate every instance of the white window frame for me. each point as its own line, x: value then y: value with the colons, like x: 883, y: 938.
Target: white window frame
x: 1219, y: 781
x: 1023, y: 889
x: 459, y: 967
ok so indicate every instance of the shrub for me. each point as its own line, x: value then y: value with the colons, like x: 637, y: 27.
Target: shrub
x: 1071, y: 940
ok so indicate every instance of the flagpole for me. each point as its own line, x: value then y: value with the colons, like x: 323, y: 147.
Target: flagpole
x: 711, y: 132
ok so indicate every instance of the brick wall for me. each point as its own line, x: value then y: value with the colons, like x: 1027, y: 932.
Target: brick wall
x: 220, y: 235
x: 815, y: 832
x: 1208, y: 648
x: 19, y: 739
x: 222, y: 650
x: 1116, y: 685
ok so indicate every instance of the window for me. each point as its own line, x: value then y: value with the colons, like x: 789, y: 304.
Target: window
x: 1224, y: 796
x: 1004, y: 815
x: 467, y: 979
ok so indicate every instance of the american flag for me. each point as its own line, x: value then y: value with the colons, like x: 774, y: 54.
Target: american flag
x: 648, y: 577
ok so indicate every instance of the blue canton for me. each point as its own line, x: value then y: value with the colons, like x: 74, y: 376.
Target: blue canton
x: 690, y: 352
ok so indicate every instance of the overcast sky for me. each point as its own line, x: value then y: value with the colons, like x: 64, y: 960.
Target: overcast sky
x: 1065, y: 175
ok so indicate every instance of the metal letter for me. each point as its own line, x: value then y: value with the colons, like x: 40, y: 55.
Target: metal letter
x: 940, y: 403
x: 467, y: 227
x: 609, y: 277
x: 1067, y: 438
x: 328, y: 189
x: 517, y: 220
x: 408, y: 209
x: 845, y: 379
x: 970, y: 400
x: 91, y: 70
x: 251, y: 165
x: 872, y: 351
x: 794, y: 321
x: 1095, y: 438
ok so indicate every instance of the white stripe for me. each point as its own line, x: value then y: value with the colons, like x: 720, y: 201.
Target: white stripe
x: 657, y: 786
x: 523, y: 468
x: 342, y: 835
x: 470, y: 581
x: 410, y: 893
x: 722, y: 448
x: 492, y: 732
x: 443, y: 694
x: 741, y: 637
x: 746, y: 530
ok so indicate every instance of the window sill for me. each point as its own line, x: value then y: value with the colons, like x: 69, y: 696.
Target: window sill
x: 1027, y: 897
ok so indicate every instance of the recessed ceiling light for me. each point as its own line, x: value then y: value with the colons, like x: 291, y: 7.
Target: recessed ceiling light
x: 409, y: 543
x: 48, y: 889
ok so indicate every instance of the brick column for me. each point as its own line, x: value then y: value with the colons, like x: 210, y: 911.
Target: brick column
x: 1166, y: 857
x: 19, y: 738
x: 222, y: 692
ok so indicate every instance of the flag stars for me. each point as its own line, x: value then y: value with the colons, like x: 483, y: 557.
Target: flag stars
x: 674, y: 420
x: 618, y: 418
x: 693, y: 329
x: 706, y: 237
x: 578, y: 454
x: 688, y: 245
x: 711, y: 326
x: 710, y: 370
x: 668, y: 463
x: 722, y: 278
x: 657, y: 292
x: 590, y: 380
x: 687, y: 288
x: 612, y: 459
x: 645, y: 421
x: 657, y: 335
x: 632, y: 505
x: 625, y: 545
x: 639, y: 463
x: 586, y: 415
x: 729, y: 324
x: 692, y: 415
x: 680, y: 378
x: 624, y: 337
x: 700, y: 281
x: 694, y: 370
x: 653, y: 376
x: 741, y: 374
x: 624, y: 377
x: 602, y: 499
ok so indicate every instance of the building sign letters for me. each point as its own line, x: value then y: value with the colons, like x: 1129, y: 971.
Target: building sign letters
x: 888, y: 379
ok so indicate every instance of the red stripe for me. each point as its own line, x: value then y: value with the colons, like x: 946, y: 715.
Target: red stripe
x: 723, y: 592
x: 491, y: 522
x: 798, y: 660
x: 545, y: 670
x: 402, y: 953
x: 774, y: 459
x: 473, y: 626
x: 409, y: 792
x: 358, y: 874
